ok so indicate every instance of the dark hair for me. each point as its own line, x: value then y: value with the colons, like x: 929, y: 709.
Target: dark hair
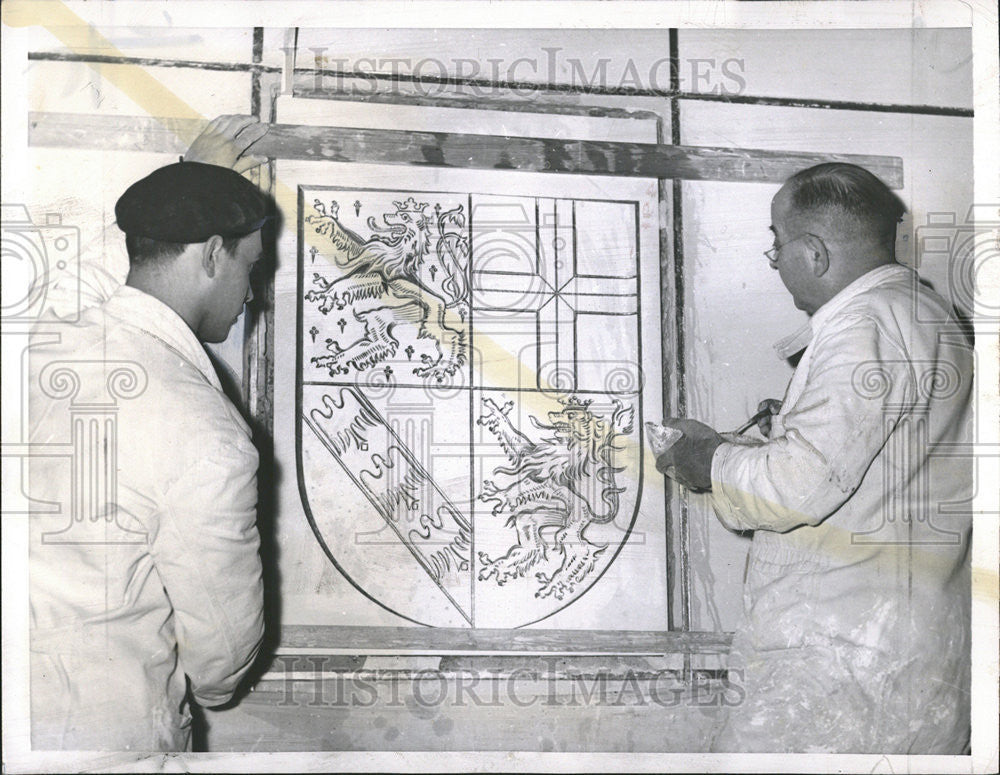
x: 143, y: 250
x: 854, y: 192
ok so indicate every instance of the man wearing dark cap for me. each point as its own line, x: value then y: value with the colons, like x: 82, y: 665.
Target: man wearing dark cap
x: 856, y: 624
x: 146, y: 575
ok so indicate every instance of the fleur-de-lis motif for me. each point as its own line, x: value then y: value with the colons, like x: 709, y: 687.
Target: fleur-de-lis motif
x: 312, y: 254
x: 357, y: 207
x: 342, y: 324
x: 387, y: 371
x: 409, y: 352
x: 433, y: 271
x: 312, y: 332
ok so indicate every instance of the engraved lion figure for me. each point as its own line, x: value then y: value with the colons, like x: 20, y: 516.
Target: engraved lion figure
x: 394, y: 278
x: 549, y: 488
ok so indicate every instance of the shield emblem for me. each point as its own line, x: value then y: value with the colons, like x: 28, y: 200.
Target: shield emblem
x: 469, y: 385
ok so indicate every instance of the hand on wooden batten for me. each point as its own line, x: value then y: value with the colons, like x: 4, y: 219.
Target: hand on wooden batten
x: 688, y: 461
x: 226, y: 142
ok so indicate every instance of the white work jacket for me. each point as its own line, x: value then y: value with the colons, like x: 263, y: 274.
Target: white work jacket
x: 144, y: 562
x: 855, y: 631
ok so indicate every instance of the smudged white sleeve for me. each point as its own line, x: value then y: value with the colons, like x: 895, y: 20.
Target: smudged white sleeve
x: 206, y: 552
x: 846, y: 399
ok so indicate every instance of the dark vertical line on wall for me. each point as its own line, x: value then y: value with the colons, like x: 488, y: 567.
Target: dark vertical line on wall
x: 257, y: 57
x: 576, y: 318
x: 251, y: 334
x: 667, y: 347
x: 680, y: 356
x: 538, y: 312
x: 473, y: 403
x: 252, y: 389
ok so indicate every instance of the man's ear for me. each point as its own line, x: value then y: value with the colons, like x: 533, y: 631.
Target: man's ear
x: 211, y: 252
x: 817, y: 256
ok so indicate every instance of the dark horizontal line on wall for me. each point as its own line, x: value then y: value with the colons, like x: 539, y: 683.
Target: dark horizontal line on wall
x: 791, y: 102
x: 106, y: 59
x: 631, y: 91
x: 622, y: 91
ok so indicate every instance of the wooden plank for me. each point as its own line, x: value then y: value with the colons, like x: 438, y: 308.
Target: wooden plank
x: 562, y: 667
x: 615, y: 715
x: 437, y: 640
x: 465, y: 151
x: 305, y: 666
x: 112, y: 133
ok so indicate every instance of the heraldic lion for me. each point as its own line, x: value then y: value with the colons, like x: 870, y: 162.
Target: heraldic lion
x: 392, y: 279
x: 548, y: 490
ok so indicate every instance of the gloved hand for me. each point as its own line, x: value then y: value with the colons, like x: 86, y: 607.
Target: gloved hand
x: 773, y: 405
x: 689, y: 460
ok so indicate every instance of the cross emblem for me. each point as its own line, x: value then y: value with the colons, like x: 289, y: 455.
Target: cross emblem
x: 526, y: 272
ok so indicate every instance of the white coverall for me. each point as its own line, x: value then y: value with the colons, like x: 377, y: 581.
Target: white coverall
x: 159, y: 574
x: 855, y: 631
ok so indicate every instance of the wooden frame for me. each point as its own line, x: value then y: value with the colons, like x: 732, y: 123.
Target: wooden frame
x: 440, y: 640
x: 446, y: 149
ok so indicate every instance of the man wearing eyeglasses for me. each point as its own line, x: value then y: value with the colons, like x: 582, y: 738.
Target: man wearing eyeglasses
x: 855, y: 631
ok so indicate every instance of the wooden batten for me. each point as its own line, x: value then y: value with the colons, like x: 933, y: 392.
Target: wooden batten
x: 438, y: 640
x: 453, y: 150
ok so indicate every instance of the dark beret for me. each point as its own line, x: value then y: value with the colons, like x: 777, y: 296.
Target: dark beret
x: 189, y: 202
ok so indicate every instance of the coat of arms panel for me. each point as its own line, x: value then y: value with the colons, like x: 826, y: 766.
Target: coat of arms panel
x: 470, y: 384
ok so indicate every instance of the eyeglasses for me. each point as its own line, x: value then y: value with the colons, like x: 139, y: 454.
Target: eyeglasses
x: 772, y: 254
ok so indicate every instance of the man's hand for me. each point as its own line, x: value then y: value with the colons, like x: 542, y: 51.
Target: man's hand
x: 689, y: 460
x: 225, y: 142
x: 773, y: 405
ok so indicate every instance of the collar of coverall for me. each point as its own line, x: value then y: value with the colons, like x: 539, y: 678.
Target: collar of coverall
x: 137, y: 308
x: 789, y: 345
